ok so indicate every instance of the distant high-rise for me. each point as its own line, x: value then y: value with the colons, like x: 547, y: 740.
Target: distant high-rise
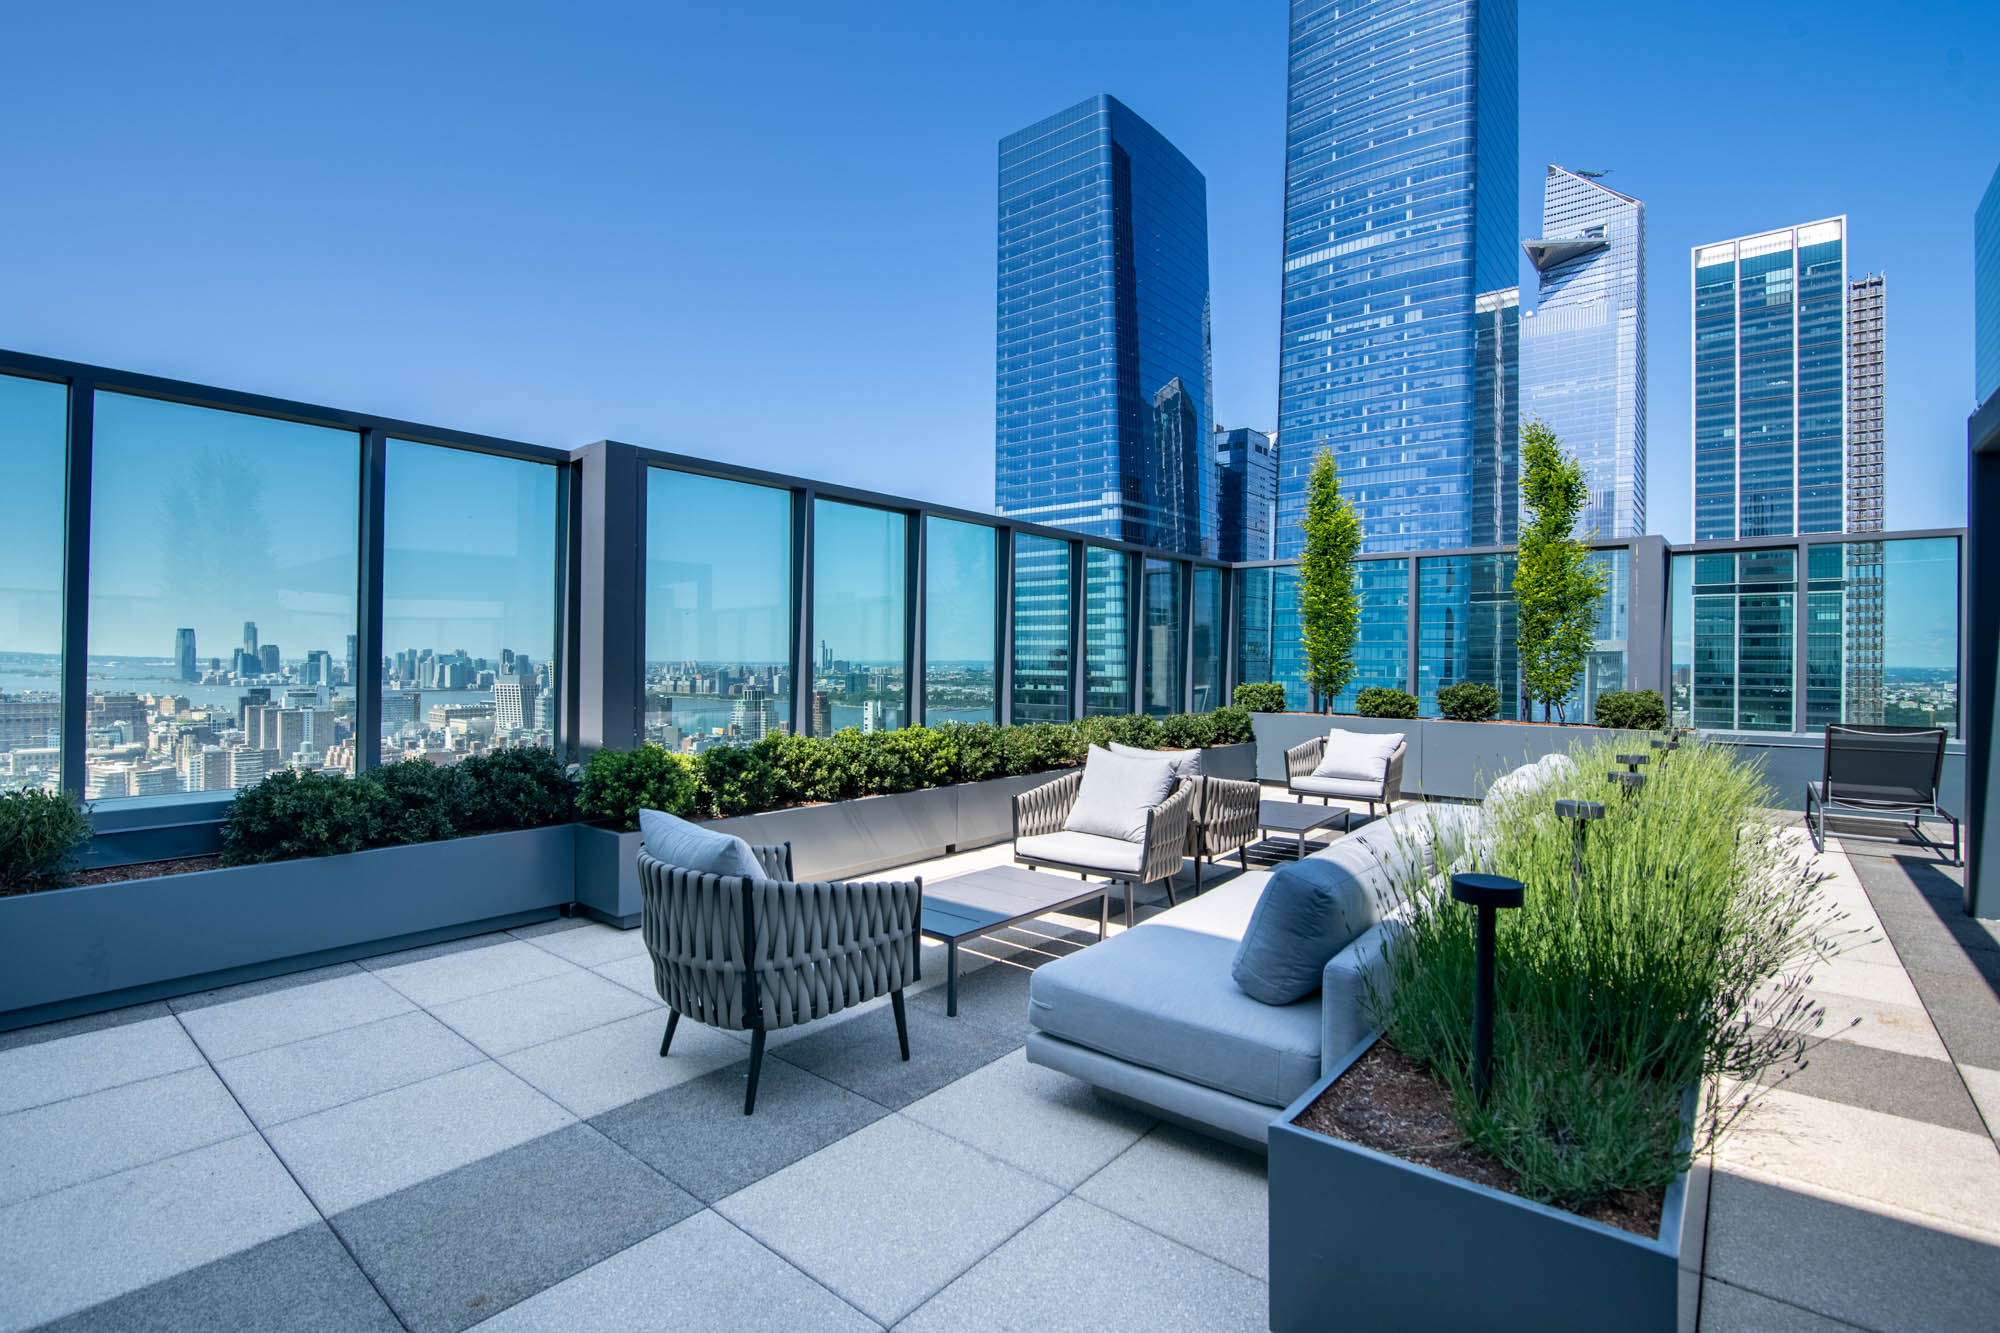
x: 1770, y: 365
x: 1866, y: 298
x: 1401, y: 206
x: 184, y: 655
x: 1494, y: 512
x: 514, y: 704
x: 1102, y: 375
x: 1986, y: 293
x: 268, y: 658
x: 250, y: 637
x: 1583, y: 350
x: 1246, y: 463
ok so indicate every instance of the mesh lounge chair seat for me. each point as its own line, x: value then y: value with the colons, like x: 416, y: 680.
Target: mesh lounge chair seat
x: 1875, y: 772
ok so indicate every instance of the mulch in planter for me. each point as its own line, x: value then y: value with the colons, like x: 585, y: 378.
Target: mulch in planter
x: 1387, y: 1102
x: 145, y: 870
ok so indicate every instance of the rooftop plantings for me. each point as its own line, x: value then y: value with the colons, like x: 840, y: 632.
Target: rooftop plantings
x: 1261, y: 696
x: 1381, y: 701
x: 1469, y: 701
x: 1632, y: 710
x: 40, y: 835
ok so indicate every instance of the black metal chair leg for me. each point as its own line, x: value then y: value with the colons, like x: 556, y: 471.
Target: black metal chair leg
x: 1197, y: 876
x: 673, y: 1021
x: 1169, y: 882
x: 902, y: 1022
x: 756, y: 1066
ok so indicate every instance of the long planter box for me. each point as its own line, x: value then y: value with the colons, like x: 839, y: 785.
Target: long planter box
x: 1361, y: 1239
x: 99, y: 946
x: 1447, y: 760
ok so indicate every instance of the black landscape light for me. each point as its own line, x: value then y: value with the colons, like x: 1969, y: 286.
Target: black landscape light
x: 1581, y: 814
x: 1487, y: 893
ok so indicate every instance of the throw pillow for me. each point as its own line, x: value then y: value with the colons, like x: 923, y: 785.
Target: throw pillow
x: 1310, y: 910
x: 1358, y: 756
x: 675, y: 842
x: 1117, y: 791
x: 1187, y: 763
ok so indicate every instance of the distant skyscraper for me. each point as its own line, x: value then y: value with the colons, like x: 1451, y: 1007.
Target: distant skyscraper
x: 1400, y: 208
x: 250, y: 637
x: 1986, y: 293
x: 270, y: 661
x: 1494, y: 515
x: 1770, y: 363
x: 1102, y: 391
x: 1583, y: 351
x: 514, y: 704
x: 184, y: 655
x: 1866, y: 298
x: 1246, y: 463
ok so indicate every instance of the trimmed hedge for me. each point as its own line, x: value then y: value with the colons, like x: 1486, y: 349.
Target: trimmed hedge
x: 1260, y: 697
x: 40, y: 835
x: 1379, y: 701
x: 1632, y: 710
x: 1469, y: 701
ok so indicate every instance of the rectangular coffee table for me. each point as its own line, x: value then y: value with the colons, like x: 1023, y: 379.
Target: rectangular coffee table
x: 1299, y: 820
x: 983, y: 901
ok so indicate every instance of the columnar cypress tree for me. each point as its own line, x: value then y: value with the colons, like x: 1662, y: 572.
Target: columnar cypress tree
x: 1329, y: 609
x: 1556, y: 587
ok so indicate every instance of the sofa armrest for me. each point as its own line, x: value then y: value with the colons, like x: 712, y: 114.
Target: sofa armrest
x: 775, y: 858
x: 1043, y: 809
x: 1166, y: 834
x: 1392, y: 775
x: 1303, y: 758
x: 1344, y: 1016
x: 1229, y: 814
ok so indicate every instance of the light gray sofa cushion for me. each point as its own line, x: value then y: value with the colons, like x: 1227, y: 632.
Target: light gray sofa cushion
x: 1117, y: 792
x: 1310, y: 910
x: 1111, y: 855
x: 675, y: 842
x: 1358, y: 756
x: 1186, y: 763
x: 1161, y: 996
x: 1348, y: 788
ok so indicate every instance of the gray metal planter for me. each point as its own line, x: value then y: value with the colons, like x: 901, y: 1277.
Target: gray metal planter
x: 607, y: 875
x: 99, y: 946
x: 1232, y: 761
x: 1446, y: 760
x: 1360, y: 1239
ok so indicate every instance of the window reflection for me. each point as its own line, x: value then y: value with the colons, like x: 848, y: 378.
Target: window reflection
x: 960, y: 683
x: 33, y: 425
x: 1041, y: 629
x: 858, y: 623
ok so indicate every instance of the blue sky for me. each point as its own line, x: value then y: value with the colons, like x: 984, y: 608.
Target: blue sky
x: 765, y: 233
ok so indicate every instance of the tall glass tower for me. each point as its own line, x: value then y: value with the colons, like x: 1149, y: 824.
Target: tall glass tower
x: 1400, y: 208
x: 1986, y: 293
x: 1102, y: 395
x: 1583, y: 352
x: 1770, y: 382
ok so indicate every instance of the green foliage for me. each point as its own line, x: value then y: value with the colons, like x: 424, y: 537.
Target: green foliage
x: 1189, y: 731
x: 1469, y: 701
x: 1260, y: 696
x: 1380, y: 701
x: 1632, y: 710
x: 735, y: 779
x: 40, y: 836
x: 1677, y: 955
x: 1556, y: 585
x: 1136, y: 730
x: 1329, y: 608
x: 291, y: 814
x: 1231, y: 726
x: 418, y: 802
x: 520, y: 787
x: 617, y: 784
x: 979, y: 750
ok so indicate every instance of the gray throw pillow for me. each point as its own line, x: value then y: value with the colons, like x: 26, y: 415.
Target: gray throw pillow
x: 1117, y: 791
x: 1310, y: 911
x: 675, y: 842
x: 1187, y: 763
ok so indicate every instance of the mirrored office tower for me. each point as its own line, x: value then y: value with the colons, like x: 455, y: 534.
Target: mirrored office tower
x: 1770, y: 360
x: 1246, y: 461
x: 1102, y: 396
x: 1583, y: 350
x: 1400, y: 207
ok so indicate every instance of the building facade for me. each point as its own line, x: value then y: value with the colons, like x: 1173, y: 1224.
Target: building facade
x: 1102, y: 369
x: 1494, y: 515
x: 1986, y: 293
x: 1246, y: 464
x: 184, y: 655
x: 1866, y: 312
x: 1583, y: 350
x: 1770, y: 393
x: 1401, y: 206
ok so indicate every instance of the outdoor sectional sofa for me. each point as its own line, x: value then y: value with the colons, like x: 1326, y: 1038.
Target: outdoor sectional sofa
x: 1154, y: 1018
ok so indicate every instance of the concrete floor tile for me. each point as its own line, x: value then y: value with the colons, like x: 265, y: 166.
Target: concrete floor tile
x: 64, y: 1252
x: 527, y: 1015
x: 1984, y: 1085
x: 1727, y: 1309
x: 451, y: 1251
x: 634, y: 974
x: 698, y: 1274
x: 301, y: 1282
x: 606, y: 1067
x: 1043, y: 1122
x: 861, y: 1055
x: 101, y: 1133
x: 49, y: 1071
x: 364, y: 1150
x: 37, y: 1033
x: 302, y: 1077
x: 698, y: 1137
x: 1889, y: 1027
x: 1207, y: 1195
x: 239, y: 1027
x: 592, y: 944
x: 1887, y: 983
x: 1911, y: 1086
x: 1078, y: 1267
x: 250, y: 990
x: 889, y: 1215
x: 463, y: 973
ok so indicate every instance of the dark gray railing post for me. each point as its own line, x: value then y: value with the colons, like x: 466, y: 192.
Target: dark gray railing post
x: 76, y: 581
x: 1003, y: 625
x: 804, y: 648
x: 914, y: 650
x: 368, y: 602
x: 611, y: 591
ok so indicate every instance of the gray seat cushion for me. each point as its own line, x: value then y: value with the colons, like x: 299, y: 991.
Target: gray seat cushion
x: 1362, y: 756
x: 1110, y: 855
x: 673, y: 841
x: 1310, y: 910
x: 1186, y: 763
x: 1161, y: 996
x: 1118, y: 791
x: 1352, y: 789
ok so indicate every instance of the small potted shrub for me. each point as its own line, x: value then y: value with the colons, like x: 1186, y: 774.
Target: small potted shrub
x: 1469, y: 701
x: 1632, y: 710
x: 41, y: 834
x: 617, y: 784
x: 1260, y: 697
x: 1380, y: 701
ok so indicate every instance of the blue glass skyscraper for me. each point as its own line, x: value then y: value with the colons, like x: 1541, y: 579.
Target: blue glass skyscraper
x: 1246, y: 462
x: 1400, y: 208
x: 1986, y: 293
x: 1102, y: 388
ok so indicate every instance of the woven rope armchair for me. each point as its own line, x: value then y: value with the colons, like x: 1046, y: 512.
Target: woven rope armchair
x: 1040, y: 840
x: 757, y: 955
x: 1301, y: 760
x: 1223, y: 819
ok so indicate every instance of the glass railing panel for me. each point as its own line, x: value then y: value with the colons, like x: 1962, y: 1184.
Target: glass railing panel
x: 960, y: 676
x: 1042, y: 663
x: 33, y: 425
x: 859, y: 570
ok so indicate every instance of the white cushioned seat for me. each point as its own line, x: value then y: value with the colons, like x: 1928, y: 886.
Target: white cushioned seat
x: 1361, y: 756
x: 1082, y: 849
x: 1351, y: 788
x: 1117, y: 792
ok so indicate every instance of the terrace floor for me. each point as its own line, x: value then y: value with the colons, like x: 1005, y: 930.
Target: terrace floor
x: 483, y: 1132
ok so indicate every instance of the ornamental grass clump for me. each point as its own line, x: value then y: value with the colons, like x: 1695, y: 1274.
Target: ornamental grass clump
x: 1673, y: 956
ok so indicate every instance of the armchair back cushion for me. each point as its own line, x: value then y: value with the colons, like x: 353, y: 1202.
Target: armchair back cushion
x: 1358, y: 756
x: 1186, y: 763
x: 675, y: 842
x: 1117, y: 792
x: 1310, y: 911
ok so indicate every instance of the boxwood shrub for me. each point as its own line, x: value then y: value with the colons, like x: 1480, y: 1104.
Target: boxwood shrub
x: 1260, y: 696
x: 40, y: 836
x: 1632, y: 710
x: 1469, y: 701
x: 1379, y: 701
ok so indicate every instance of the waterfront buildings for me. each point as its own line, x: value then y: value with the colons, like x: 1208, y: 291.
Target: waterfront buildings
x: 1102, y: 373
x: 1400, y: 208
x: 1246, y: 464
x: 1583, y: 350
